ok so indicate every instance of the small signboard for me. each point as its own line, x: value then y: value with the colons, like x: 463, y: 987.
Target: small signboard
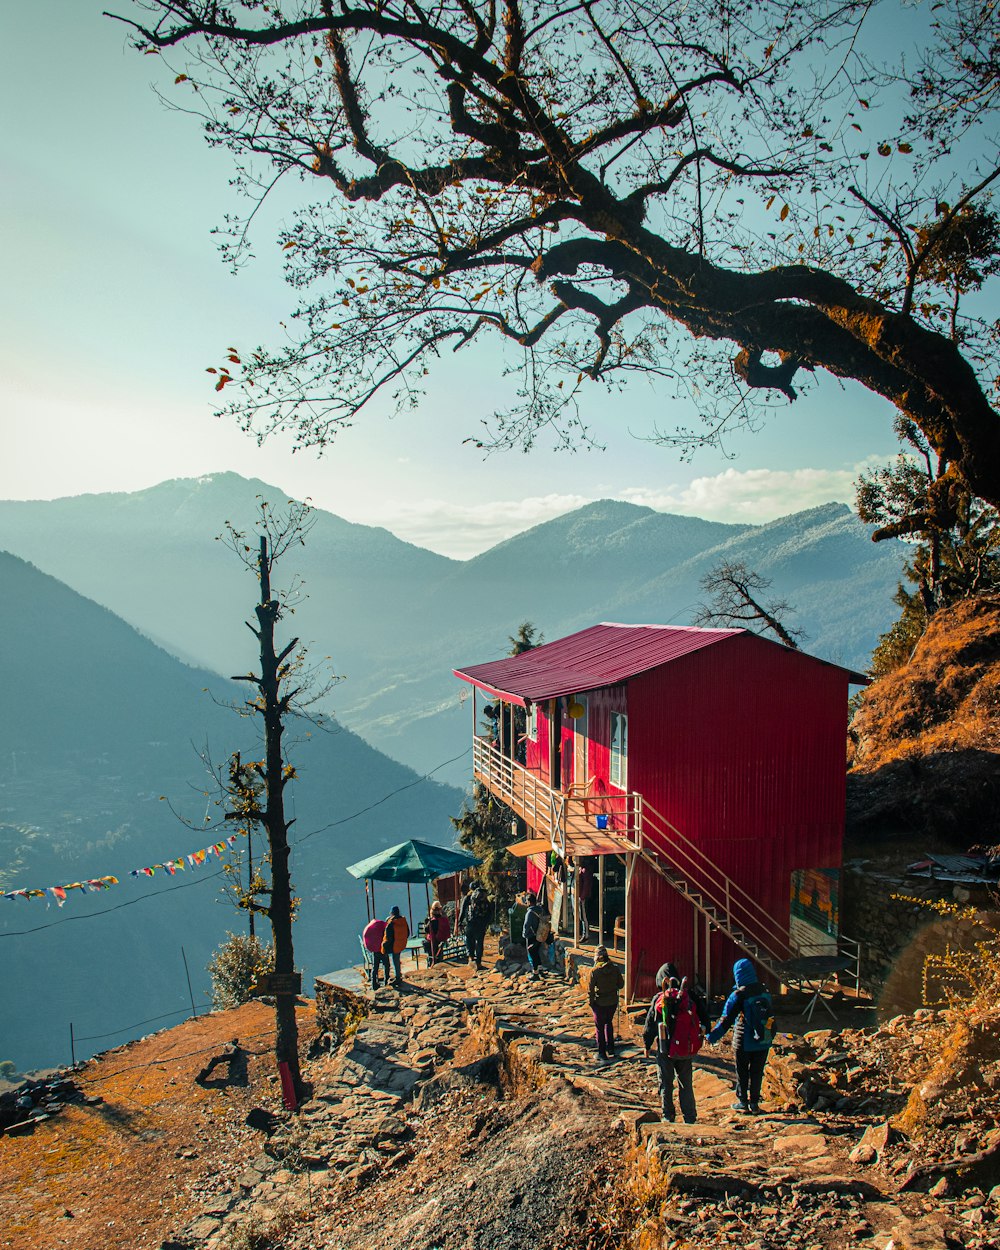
x: 815, y: 911
x: 279, y: 983
x: 558, y: 894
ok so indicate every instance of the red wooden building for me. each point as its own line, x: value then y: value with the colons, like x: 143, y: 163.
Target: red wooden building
x: 711, y: 762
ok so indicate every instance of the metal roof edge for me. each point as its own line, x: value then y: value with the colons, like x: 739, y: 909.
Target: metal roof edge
x: 481, y: 685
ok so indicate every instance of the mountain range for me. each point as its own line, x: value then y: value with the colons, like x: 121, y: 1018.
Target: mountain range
x: 99, y: 723
x: 396, y: 618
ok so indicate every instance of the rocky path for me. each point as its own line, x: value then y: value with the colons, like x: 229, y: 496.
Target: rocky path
x: 468, y: 1113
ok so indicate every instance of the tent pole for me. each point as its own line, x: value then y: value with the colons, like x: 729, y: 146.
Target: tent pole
x: 409, y: 905
x: 427, y: 895
x: 374, y: 912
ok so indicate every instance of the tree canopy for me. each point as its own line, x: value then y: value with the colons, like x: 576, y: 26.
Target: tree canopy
x: 729, y: 196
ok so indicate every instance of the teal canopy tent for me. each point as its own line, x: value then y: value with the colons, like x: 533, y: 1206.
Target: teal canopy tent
x: 410, y: 862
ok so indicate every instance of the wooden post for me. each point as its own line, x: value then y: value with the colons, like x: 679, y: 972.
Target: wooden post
x: 576, y: 901
x: 708, y: 957
x: 600, y: 900
x: 194, y: 1009
x: 72, y: 1044
x: 629, y: 869
x: 250, y: 872
x: 694, y: 949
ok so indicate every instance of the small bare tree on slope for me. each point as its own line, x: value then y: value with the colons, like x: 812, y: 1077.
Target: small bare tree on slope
x: 738, y: 600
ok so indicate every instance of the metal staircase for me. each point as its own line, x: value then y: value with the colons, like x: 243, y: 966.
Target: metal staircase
x: 724, y: 903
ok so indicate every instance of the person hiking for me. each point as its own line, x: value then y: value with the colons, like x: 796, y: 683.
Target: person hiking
x: 437, y: 930
x: 397, y: 934
x: 748, y: 1010
x: 537, y: 935
x: 602, y: 992
x: 675, y: 1024
x: 372, y: 936
x: 694, y: 989
x: 473, y: 919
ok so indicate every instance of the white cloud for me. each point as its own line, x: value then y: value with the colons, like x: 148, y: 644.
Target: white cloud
x: 752, y: 496
x: 464, y: 530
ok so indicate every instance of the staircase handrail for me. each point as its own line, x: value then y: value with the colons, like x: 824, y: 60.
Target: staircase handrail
x: 735, y: 909
x: 739, y: 909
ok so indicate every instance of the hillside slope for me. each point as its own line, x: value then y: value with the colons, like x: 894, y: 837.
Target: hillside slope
x: 465, y: 1112
x: 99, y: 723
x: 925, y: 742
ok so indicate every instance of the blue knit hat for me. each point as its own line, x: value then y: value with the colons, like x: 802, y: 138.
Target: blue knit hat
x: 744, y: 973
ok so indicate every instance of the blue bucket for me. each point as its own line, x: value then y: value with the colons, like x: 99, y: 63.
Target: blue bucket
x: 601, y: 821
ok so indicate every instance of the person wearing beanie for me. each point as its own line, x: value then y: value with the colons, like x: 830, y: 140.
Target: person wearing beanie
x: 602, y: 991
x: 748, y: 1010
x: 675, y: 1024
x: 437, y: 931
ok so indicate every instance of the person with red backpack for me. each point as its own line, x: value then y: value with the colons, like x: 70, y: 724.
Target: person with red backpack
x: 676, y: 1023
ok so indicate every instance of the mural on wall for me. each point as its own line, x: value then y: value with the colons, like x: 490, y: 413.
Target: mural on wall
x: 815, y: 912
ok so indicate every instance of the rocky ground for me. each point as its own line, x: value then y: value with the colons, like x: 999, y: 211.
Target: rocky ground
x: 467, y: 1112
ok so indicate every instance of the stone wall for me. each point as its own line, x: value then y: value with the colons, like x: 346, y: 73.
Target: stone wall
x: 896, y: 935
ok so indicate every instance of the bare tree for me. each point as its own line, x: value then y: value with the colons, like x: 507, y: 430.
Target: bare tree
x: 257, y: 788
x: 738, y: 600
x: 600, y: 183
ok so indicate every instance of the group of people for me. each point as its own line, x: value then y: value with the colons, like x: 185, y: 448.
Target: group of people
x: 678, y: 1023
x: 388, y: 939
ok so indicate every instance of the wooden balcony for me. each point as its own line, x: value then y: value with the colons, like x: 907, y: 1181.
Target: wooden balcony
x: 573, y: 822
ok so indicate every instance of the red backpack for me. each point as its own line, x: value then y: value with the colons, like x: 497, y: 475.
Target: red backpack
x: 687, y: 1038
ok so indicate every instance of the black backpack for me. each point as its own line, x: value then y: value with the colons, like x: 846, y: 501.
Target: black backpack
x: 480, y: 909
x: 758, y: 1021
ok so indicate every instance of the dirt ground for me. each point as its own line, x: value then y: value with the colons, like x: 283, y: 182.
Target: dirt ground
x: 122, y: 1173
x: 467, y: 1111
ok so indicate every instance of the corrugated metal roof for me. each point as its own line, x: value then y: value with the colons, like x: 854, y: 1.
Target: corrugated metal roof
x: 599, y: 656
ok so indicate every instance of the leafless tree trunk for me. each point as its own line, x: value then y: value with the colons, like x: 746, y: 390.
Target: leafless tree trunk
x: 738, y: 600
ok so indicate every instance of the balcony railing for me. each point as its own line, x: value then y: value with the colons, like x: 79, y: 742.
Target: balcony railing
x: 574, y: 821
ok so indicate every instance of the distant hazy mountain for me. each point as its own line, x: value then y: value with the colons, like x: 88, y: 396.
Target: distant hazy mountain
x: 396, y: 619
x: 97, y: 723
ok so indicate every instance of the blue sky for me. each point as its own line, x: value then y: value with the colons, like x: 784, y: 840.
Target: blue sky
x: 117, y: 302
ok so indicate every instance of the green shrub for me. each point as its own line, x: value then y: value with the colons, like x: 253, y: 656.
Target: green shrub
x: 234, y: 968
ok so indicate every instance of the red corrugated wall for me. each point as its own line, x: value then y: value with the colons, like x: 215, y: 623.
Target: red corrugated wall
x: 741, y: 746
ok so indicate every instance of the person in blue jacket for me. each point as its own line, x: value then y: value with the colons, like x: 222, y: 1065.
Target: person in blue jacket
x: 748, y: 1011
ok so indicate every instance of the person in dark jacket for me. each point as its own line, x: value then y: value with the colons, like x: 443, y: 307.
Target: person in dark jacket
x: 602, y: 991
x: 667, y: 972
x: 745, y: 1010
x: 667, y: 1067
x: 474, y: 918
x: 537, y: 934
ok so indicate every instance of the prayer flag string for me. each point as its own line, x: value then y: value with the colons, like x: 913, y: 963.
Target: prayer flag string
x: 94, y: 885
